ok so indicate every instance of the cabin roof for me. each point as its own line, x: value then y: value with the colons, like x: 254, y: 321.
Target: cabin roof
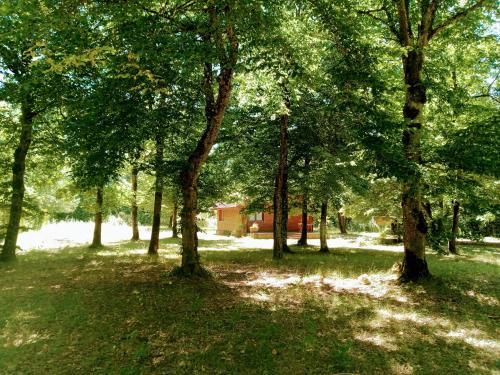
x: 227, y: 205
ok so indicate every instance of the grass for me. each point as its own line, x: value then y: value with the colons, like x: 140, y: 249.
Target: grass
x: 116, y: 311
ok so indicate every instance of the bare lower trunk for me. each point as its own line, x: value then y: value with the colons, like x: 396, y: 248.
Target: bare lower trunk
x: 284, y: 205
x: 452, y: 244
x: 154, y: 243
x: 280, y: 220
x: 323, y: 228
x: 415, y: 227
x: 174, y: 219
x: 190, y: 257
x: 342, y: 222
x: 303, y: 234
x: 96, y: 240
x: 17, y: 199
x: 277, y: 221
x: 135, y: 223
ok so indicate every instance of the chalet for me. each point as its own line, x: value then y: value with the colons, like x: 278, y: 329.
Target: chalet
x: 230, y: 220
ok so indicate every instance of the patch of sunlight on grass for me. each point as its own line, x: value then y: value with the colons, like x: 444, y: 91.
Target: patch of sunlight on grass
x: 15, y: 334
x: 175, y: 255
x: 385, y: 315
x: 482, y: 298
x: 491, y: 258
x: 225, y: 248
x: 115, y: 253
x: 22, y: 339
x: 361, y: 241
x: 377, y: 339
x: 375, y: 285
x: 76, y: 233
x: 275, y: 281
x: 259, y: 296
x: 474, y: 337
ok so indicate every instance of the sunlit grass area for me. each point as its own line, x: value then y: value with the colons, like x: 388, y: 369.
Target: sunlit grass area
x: 116, y: 311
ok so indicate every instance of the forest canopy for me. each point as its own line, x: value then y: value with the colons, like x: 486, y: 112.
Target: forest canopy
x: 340, y: 108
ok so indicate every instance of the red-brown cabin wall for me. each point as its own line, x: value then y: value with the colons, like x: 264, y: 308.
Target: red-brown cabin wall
x: 294, y: 223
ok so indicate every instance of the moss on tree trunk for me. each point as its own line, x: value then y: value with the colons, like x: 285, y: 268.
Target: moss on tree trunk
x: 415, y: 226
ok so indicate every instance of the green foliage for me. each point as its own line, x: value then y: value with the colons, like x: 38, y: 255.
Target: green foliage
x: 105, y: 78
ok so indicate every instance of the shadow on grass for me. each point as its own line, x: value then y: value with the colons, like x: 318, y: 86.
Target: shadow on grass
x: 121, y: 313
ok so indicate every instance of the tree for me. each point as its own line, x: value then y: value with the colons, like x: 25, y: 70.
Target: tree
x: 134, y: 208
x: 24, y: 30
x: 221, y: 37
x: 413, y: 28
x: 159, y: 179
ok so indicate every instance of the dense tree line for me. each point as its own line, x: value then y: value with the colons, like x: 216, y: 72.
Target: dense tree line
x: 357, y: 108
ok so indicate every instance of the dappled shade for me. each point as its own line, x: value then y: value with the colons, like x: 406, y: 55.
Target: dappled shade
x: 342, y: 312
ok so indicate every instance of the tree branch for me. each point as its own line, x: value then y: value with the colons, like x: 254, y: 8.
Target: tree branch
x: 387, y: 22
x: 425, y: 27
x: 456, y: 17
x: 404, y: 24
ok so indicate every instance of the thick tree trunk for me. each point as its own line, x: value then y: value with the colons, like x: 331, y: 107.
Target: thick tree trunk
x: 215, y: 108
x: 280, y: 202
x: 135, y: 223
x: 303, y: 235
x: 18, y: 171
x: 96, y: 240
x: 323, y: 228
x: 190, y: 257
x: 415, y: 227
x: 342, y: 222
x: 154, y: 243
x: 174, y: 218
x: 452, y: 244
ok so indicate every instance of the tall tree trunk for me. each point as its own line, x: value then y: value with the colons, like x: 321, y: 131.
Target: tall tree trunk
x: 154, y: 243
x: 415, y: 226
x: 303, y: 235
x: 452, y: 244
x: 323, y: 228
x: 135, y: 223
x: 174, y: 218
x: 215, y: 108
x: 284, y: 205
x: 280, y: 201
x: 342, y: 222
x: 96, y: 240
x: 414, y: 41
x: 18, y: 171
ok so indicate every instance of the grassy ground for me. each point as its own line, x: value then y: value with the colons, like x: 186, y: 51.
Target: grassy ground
x: 116, y: 311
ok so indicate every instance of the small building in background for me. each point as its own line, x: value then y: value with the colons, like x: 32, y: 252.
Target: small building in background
x: 231, y: 221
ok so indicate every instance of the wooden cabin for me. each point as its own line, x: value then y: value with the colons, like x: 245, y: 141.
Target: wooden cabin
x: 231, y: 221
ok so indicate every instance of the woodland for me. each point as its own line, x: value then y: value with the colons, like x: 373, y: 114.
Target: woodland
x: 126, y: 123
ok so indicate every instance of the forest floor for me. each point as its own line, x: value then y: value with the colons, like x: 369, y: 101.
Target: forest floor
x: 117, y: 311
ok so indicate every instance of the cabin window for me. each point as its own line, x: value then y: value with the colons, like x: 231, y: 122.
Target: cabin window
x: 221, y: 215
x: 257, y: 216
